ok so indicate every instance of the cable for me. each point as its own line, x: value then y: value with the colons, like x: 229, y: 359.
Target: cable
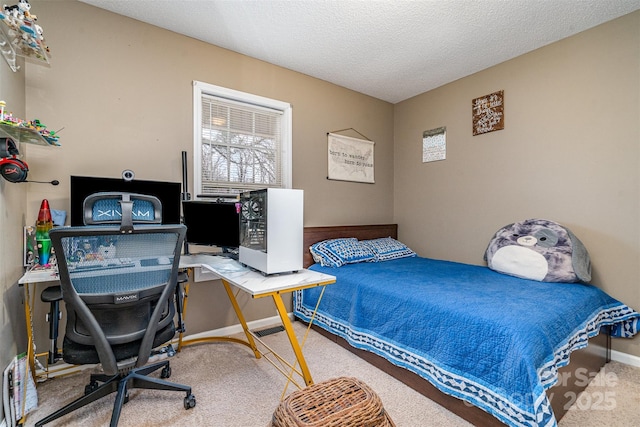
x: 54, y: 182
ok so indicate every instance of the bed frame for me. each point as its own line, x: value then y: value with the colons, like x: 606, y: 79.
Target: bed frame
x: 585, y: 362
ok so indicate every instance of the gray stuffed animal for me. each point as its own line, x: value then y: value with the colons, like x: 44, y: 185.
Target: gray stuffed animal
x: 539, y: 249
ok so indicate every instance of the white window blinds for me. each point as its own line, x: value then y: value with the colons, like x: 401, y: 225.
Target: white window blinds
x: 241, y: 146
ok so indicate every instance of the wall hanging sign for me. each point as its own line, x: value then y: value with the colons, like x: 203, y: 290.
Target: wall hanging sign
x: 434, y: 145
x: 350, y: 159
x: 488, y: 113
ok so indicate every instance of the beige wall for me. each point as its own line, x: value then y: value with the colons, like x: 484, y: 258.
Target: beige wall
x: 570, y: 152
x: 122, y: 91
x: 12, y: 213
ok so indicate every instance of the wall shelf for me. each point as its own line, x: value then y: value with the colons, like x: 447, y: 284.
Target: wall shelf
x: 27, y: 135
x: 21, y: 36
x: 7, y: 50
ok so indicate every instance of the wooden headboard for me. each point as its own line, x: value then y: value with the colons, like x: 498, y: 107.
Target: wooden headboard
x: 361, y: 232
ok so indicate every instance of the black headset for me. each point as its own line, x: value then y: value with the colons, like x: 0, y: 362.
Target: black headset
x: 11, y: 167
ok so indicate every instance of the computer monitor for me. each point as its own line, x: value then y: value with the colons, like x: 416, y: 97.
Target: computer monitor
x: 212, y: 223
x: 169, y: 194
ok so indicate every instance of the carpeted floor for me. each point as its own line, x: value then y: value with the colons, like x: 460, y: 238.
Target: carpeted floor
x: 233, y: 389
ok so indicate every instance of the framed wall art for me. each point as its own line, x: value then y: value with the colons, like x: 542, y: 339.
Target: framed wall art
x: 488, y: 113
x: 434, y: 145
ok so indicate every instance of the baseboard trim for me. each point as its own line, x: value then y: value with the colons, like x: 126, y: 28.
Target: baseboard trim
x: 626, y: 358
x: 237, y: 328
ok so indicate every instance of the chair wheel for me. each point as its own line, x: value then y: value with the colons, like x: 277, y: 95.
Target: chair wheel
x: 166, y: 372
x: 126, y: 397
x: 189, y: 401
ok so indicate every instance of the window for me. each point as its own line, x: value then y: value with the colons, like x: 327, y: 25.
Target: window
x: 241, y: 141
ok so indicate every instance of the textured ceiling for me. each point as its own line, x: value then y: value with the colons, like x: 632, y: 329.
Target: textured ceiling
x: 388, y: 49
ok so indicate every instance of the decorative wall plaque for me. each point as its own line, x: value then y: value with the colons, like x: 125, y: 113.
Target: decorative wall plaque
x: 488, y: 113
x: 350, y: 159
x: 434, y: 145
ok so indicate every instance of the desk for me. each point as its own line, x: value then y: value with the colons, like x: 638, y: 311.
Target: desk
x: 232, y: 274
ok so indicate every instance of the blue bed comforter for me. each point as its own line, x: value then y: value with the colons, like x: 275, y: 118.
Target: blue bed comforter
x: 493, y: 340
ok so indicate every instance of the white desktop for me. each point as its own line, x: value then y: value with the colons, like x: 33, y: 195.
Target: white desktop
x: 271, y: 230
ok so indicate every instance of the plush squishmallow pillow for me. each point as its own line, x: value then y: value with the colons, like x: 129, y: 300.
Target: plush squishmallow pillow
x: 539, y: 249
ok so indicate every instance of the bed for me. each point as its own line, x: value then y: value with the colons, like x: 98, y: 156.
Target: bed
x: 517, y: 386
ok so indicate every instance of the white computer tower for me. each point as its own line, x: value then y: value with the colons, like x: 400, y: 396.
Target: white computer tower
x: 271, y: 227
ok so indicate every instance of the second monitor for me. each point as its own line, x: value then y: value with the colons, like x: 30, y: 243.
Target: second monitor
x: 212, y: 223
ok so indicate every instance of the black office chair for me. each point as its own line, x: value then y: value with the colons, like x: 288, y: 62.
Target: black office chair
x: 109, y: 208
x: 118, y: 284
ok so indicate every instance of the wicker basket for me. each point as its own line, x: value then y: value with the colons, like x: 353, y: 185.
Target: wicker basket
x: 341, y: 402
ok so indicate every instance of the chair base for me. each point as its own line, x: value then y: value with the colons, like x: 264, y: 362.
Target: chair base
x: 122, y: 383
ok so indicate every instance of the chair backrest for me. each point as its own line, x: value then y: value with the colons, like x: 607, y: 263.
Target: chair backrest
x: 118, y: 285
x: 125, y: 209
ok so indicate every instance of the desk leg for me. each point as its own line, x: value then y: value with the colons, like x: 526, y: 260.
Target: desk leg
x: 245, y: 328
x: 31, y: 354
x: 31, y: 351
x: 185, y: 298
x: 286, y: 322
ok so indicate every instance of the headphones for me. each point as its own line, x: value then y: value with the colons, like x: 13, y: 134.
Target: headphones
x: 14, y: 170
x: 11, y: 167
